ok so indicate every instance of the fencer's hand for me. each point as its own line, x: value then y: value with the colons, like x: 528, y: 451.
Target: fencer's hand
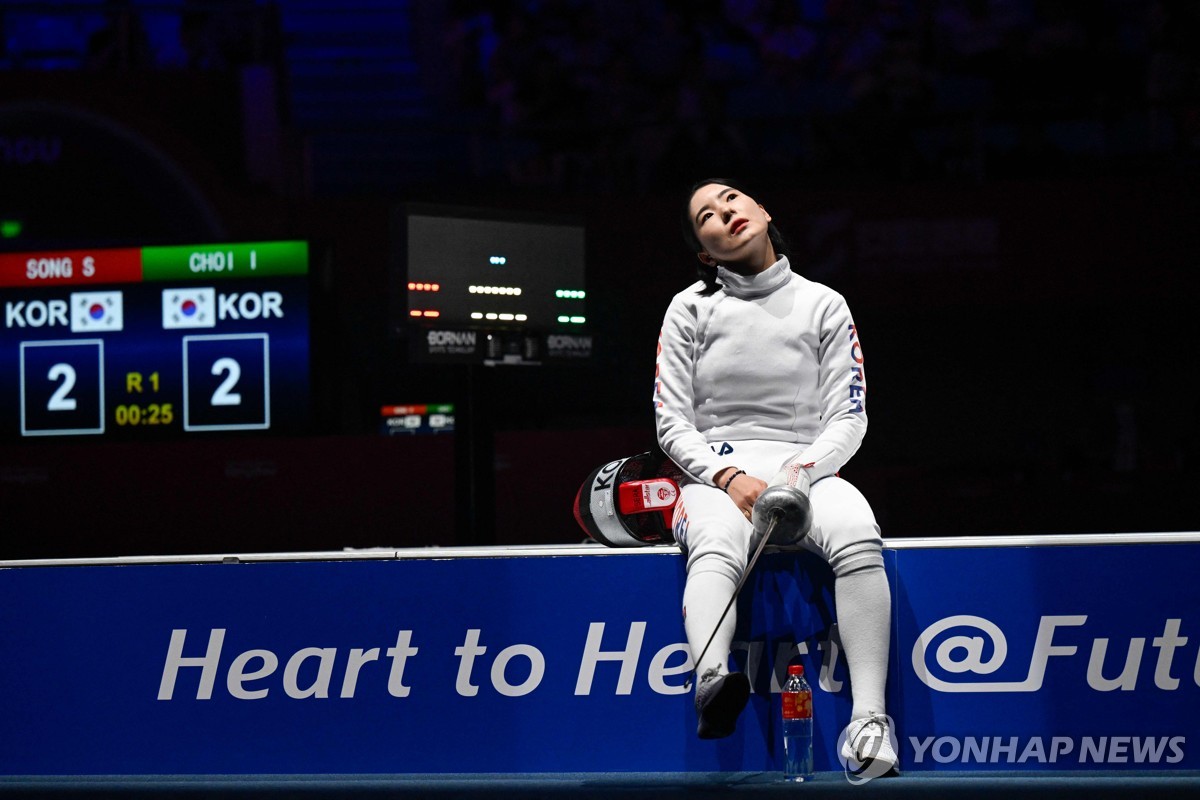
x: 743, y: 491
x: 794, y: 475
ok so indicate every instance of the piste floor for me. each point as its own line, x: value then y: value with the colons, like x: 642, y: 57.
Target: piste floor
x: 618, y: 785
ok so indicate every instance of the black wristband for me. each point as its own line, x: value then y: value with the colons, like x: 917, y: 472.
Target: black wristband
x: 725, y: 488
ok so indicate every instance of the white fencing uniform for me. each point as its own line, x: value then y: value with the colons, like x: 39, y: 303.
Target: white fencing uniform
x: 768, y: 370
x: 765, y: 371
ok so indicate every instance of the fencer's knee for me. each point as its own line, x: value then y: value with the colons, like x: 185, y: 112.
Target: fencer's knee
x: 856, y: 557
x: 715, y: 562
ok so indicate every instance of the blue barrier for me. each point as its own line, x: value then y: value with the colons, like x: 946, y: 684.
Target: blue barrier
x: 1055, y: 653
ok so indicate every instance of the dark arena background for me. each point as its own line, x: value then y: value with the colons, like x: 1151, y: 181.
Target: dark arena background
x: 1007, y: 193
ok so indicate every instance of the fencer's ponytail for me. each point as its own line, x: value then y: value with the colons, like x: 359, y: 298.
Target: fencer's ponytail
x: 706, y: 273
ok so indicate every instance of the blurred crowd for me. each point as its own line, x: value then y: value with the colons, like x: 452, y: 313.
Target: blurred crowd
x: 600, y: 95
x: 632, y: 91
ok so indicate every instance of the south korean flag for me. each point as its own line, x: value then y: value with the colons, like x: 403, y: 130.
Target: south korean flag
x: 95, y: 312
x: 189, y: 308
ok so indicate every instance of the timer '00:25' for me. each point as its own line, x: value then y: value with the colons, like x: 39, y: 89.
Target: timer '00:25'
x: 150, y: 414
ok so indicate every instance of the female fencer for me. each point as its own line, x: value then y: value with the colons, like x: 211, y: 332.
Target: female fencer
x: 759, y: 382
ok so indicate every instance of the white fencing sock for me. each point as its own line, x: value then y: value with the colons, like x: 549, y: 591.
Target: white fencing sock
x: 705, y: 596
x: 864, y: 613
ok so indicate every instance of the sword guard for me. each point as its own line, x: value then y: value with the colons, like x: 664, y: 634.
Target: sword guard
x: 783, y: 514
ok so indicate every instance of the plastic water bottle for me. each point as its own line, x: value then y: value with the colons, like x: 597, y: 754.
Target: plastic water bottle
x: 797, y: 726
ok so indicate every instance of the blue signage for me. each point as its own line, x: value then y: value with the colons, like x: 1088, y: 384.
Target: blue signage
x: 573, y: 660
x: 1070, y: 657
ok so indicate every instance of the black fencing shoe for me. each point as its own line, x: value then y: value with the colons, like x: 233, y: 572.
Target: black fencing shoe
x: 719, y: 701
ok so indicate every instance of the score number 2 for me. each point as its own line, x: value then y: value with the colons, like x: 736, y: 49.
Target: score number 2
x: 224, y: 395
x: 60, y: 401
x: 62, y: 387
x: 231, y: 386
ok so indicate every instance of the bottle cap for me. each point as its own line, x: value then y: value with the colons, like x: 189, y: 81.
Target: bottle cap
x: 795, y: 669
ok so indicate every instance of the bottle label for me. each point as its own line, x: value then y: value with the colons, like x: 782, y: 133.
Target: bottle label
x: 797, y: 705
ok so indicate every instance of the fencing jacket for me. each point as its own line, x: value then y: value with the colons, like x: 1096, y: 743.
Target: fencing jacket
x: 770, y: 356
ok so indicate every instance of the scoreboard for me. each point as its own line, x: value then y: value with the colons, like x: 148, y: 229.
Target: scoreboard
x: 494, y: 273
x: 489, y: 286
x: 155, y: 341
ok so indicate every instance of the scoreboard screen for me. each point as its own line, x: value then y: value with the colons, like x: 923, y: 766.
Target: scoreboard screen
x: 155, y: 341
x: 480, y: 269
